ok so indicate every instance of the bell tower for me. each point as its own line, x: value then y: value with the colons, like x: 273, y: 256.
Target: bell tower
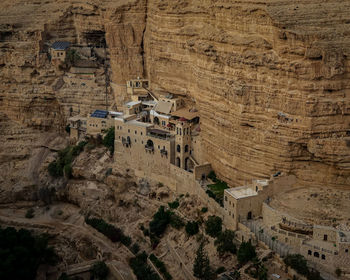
x: 182, y: 143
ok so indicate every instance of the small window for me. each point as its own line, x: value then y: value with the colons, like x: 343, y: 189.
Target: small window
x: 229, y: 202
x: 323, y: 257
x: 129, y: 130
x: 135, y: 140
x: 346, y: 250
x: 141, y: 142
x: 141, y: 132
x: 256, y: 188
x: 178, y: 148
x: 233, y: 215
x: 325, y: 237
x: 119, y: 137
x: 135, y: 131
x: 309, y: 252
x: 229, y: 212
x: 316, y: 255
x: 225, y: 198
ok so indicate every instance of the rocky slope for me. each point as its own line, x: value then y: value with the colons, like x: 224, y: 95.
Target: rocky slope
x: 270, y: 78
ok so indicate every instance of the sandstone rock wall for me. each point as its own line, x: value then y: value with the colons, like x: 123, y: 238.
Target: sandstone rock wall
x: 270, y: 78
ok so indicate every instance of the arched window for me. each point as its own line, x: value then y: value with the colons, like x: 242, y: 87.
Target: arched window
x: 309, y: 252
x: 316, y: 254
x: 186, y: 148
x: 323, y: 257
x: 149, y: 143
x: 178, y: 148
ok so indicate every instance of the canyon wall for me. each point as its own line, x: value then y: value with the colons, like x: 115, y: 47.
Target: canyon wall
x: 270, y: 78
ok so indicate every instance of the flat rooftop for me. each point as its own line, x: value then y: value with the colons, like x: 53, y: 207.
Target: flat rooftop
x: 132, y: 103
x: 138, y: 123
x: 241, y: 192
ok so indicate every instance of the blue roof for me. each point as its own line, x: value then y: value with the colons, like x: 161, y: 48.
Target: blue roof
x: 99, y: 114
x: 60, y: 45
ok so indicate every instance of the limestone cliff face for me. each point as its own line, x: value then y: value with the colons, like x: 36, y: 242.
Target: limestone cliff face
x: 270, y: 78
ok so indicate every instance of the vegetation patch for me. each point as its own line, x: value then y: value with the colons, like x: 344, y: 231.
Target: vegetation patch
x: 299, y: 264
x: 100, y: 271
x: 201, y: 266
x: 114, y: 234
x: 108, y: 139
x: 213, y: 226
x: 141, y: 269
x: 21, y: 253
x: 192, y: 228
x: 63, y: 165
x: 224, y: 242
x: 161, y: 266
x: 173, y: 205
x: 246, y: 252
x: 216, y: 190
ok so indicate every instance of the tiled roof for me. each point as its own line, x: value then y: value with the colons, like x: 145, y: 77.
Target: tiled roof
x: 60, y: 45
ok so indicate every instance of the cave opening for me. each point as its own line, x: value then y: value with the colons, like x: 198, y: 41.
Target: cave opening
x: 95, y: 38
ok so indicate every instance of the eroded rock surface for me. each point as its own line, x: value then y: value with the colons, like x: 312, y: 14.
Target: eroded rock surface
x: 270, y: 78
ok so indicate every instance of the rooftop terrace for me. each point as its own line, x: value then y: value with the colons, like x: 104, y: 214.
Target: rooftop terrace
x: 241, y: 192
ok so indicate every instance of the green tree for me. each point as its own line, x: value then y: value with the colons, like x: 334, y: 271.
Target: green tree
x: 108, y: 140
x: 201, y: 266
x: 100, y: 270
x: 224, y: 242
x: 192, y: 228
x: 213, y: 226
x: 21, y: 253
x: 160, y: 221
x: 246, y: 252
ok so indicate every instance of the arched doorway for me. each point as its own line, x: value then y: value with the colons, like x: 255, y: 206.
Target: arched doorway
x: 178, y: 162
x: 187, y: 163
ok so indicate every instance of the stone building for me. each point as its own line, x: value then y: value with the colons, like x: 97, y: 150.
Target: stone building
x: 58, y: 51
x: 153, y: 133
x: 77, y: 125
x: 100, y: 121
x: 248, y: 211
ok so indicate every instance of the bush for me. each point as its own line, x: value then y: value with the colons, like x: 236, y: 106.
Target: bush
x: 338, y: 272
x: 30, y: 213
x: 135, y: 248
x: 141, y: 269
x: 246, y: 252
x: 113, y: 233
x: 176, y: 222
x: 108, y: 140
x: 213, y: 226
x: 224, y: 242
x: 220, y: 270
x: 204, y: 210
x: 160, y: 221
x: 192, y: 228
x: 298, y: 263
x: 160, y: 265
x: 173, y: 205
x: 21, y: 253
x: 100, y: 270
x: 63, y: 165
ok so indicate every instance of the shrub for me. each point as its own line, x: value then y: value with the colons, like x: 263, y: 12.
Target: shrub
x: 176, y: 222
x: 224, y: 242
x: 220, y: 270
x: 204, y: 210
x: 113, y: 233
x: 173, y: 205
x: 100, y: 270
x: 246, y: 252
x: 192, y: 228
x: 67, y: 171
x: 160, y: 221
x: 338, y: 272
x: 160, y: 265
x: 141, y: 269
x: 108, y: 140
x: 201, y: 266
x: 297, y: 262
x: 30, y: 213
x: 135, y: 248
x: 213, y: 226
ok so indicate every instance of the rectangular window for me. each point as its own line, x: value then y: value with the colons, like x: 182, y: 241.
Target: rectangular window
x: 325, y: 237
